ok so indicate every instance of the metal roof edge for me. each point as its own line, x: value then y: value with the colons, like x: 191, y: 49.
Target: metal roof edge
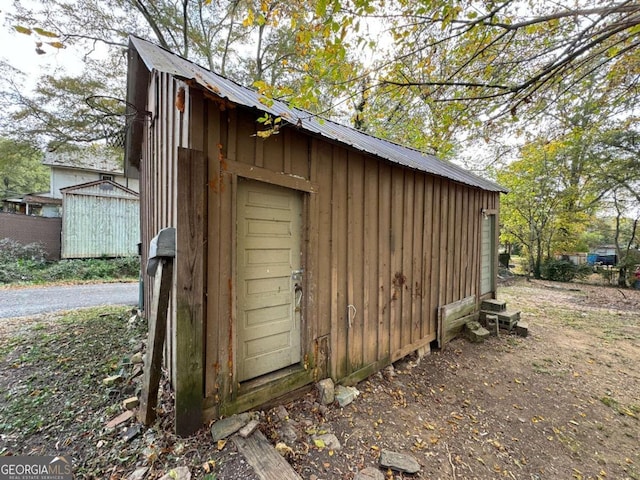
x: 161, y: 60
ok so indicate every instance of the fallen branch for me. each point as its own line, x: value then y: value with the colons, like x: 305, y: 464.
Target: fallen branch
x: 453, y: 468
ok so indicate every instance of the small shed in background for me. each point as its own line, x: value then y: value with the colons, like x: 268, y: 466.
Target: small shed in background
x: 100, y: 219
x: 318, y: 251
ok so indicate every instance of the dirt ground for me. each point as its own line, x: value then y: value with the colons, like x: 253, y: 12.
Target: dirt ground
x: 562, y: 403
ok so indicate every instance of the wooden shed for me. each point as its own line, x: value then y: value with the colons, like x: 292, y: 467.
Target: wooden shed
x: 100, y: 219
x: 318, y: 251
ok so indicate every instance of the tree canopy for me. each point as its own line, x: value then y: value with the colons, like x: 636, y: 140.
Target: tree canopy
x: 458, y: 69
x: 21, y: 170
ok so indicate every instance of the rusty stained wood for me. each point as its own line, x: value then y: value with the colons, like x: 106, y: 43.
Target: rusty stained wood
x: 190, y: 298
x: 214, y: 150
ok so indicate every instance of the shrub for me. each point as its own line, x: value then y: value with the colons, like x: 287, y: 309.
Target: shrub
x: 13, y: 251
x: 92, y: 269
x: 27, y: 263
x: 559, y: 270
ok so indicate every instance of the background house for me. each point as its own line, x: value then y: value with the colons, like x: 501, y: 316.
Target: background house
x: 319, y: 251
x: 76, y: 167
x: 98, y: 205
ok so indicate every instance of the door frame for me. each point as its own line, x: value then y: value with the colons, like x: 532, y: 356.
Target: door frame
x: 254, y: 392
x: 297, y: 317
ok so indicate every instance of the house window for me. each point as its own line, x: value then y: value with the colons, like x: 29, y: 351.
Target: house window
x: 106, y: 177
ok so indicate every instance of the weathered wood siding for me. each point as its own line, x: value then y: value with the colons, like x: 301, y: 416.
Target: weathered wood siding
x: 385, y: 246
x: 165, y: 131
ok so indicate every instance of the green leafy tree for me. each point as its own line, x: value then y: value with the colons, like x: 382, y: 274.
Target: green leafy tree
x: 21, y: 170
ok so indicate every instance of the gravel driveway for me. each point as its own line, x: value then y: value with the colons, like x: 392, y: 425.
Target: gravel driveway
x: 20, y: 302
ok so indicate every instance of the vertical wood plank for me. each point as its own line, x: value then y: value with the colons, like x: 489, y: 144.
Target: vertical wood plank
x: 339, y: 263
x: 428, y: 309
x: 435, y: 250
x: 467, y: 249
x: 355, y: 267
x: 371, y: 255
x: 232, y: 134
x: 310, y: 280
x: 397, y: 277
x: 155, y: 344
x: 451, y: 245
x: 287, y: 147
x: 407, y: 258
x: 458, y: 252
x: 417, y: 284
x: 324, y: 177
x: 212, y: 359
x: 226, y: 337
x: 476, y: 219
x: 190, y: 262
x: 384, y: 270
x: 444, y: 218
x: 259, y: 155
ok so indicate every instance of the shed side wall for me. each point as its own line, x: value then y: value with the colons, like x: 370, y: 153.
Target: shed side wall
x: 389, y: 247
x: 385, y: 246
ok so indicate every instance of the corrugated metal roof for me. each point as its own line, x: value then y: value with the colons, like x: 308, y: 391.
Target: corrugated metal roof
x: 92, y: 159
x: 156, y: 58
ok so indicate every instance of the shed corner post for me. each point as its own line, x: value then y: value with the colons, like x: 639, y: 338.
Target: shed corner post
x: 190, y: 288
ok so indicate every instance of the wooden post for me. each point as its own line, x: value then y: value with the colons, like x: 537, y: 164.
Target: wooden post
x: 161, y: 253
x: 191, y: 259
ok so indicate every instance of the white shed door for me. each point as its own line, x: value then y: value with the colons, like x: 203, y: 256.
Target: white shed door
x: 269, y: 223
x: 487, y: 254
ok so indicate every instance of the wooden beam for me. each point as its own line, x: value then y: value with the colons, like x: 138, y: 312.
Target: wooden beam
x: 155, y: 342
x: 264, y: 175
x: 267, y: 463
x: 190, y: 288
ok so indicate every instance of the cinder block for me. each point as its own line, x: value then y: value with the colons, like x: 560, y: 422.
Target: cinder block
x: 493, y: 305
x: 522, y: 329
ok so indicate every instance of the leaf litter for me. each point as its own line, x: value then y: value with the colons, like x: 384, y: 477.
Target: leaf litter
x: 561, y: 403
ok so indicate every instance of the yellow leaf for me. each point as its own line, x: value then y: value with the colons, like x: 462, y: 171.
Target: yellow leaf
x: 221, y: 444
x: 45, y: 33
x: 319, y: 443
x: 25, y: 30
x: 57, y: 44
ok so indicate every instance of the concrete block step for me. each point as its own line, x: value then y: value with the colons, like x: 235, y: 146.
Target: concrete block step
x: 506, y: 320
x: 493, y: 305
